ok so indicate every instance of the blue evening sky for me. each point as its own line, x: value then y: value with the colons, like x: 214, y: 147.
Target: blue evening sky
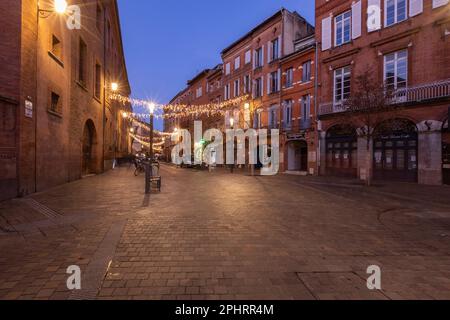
x: 167, y: 42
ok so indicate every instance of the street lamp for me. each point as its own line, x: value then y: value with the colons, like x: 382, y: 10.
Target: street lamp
x: 231, y: 126
x: 148, y: 171
x: 60, y: 6
x: 114, y: 86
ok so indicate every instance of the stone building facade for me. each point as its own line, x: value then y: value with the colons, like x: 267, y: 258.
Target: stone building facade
x: 57, y: 122
x: 405, y: 46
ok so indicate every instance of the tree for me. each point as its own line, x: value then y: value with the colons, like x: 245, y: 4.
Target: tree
x: 365, y: 109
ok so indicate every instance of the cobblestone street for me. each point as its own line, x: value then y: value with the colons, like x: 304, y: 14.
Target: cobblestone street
x: 226, y: 236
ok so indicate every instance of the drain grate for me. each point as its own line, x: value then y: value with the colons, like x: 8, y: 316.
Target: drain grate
x: 42, y: 209
x: 92, y: 278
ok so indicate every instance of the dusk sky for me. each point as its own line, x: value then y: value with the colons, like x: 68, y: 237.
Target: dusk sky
x: 167, y: 42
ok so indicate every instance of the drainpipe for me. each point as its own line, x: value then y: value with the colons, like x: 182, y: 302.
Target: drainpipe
x: 316, y: 97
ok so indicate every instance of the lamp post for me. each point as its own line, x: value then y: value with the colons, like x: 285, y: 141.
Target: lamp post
x: 114, y: 89
x: 148, y: 171
x: 232, y: 128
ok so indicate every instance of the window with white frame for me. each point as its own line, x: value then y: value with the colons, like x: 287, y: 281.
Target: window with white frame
x: 227, y: 69
x: 227, y: 92
x: 342, y: 81
x: 273, y: 82
x: 395, y: 11
x: 274, y: 50
x: 247, y: 84
x: 343, y: 28
x: 258, y: 88
x: 396, y: 70
x: 237, y: 63
x: 248, y: 57
x: 273, y: 117
x: 289, y: 77
x: 259, y: 58
x: 287, y: 114
x: 199, y: 92
x: 306, y: 71
x: 236, y: 88
x: 258, y: 118
x: 306, y: 108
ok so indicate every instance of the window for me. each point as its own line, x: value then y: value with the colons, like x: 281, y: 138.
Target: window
x: 82, y: 60
x: 227, y: 92
x: 305, y: 121
x: 248, y: 57
x: 56, y: 48
x: 287, y: 113
x: 306, y: 73
x: 395, y: 11
x: 55, y: 103
x: 236, y: 88
x: 342, y: 27
x: 98, y: 81
x: 247, y: 84
x: 341, y: 84
x: 99, y: 18
x: 227, y: 69
x: 259, y: 58
x: 273, y: 117
x: 306, y: 107
x: 199, y: 92
x: 273, y: 82
x: 258, y: 118
x: 237, y: 63
x: 258, y: 88
x: 396, y: 70
x: 289, y: 77
x: 274, y: 50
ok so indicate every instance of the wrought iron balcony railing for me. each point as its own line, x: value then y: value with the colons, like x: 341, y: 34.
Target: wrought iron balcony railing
x: 415, y: 94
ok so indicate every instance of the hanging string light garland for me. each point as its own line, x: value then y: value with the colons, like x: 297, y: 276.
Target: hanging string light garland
x: 179, y: 110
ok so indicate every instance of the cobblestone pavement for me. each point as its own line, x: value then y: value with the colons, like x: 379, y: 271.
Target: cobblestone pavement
x: 226, y: 236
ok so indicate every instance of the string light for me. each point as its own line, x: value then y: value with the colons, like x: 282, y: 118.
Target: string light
x: 179, y: 110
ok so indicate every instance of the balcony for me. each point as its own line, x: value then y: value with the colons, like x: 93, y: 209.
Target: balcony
x: 411, y: 95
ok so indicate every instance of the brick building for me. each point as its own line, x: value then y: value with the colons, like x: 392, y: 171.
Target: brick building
x: 405, y: 46
x: 298, y: 116
x: 252, y: 66
x: 57, y: 122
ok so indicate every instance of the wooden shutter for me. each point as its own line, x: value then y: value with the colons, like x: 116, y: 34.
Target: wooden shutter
x: 415, y: 7
x: 373, y: 15
x: 326, y: 33
x: 439, y: 3
x: 356, y: 20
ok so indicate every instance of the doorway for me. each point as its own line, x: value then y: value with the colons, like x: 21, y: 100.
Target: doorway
x: 88, y: 149
x: 396, y: 151
x: 297, y: 156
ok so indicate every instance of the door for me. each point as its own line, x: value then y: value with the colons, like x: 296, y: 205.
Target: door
x: 303, y: 156
x: 341, y: 151
x: 8, y: 151
x: 88, y: 156
x: 395, y: 152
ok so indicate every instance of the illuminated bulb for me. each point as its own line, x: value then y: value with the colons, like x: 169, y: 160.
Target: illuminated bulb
x: 247, y: 106
x: 125, y: 115
x: 152, y: 108
x: 60, y: 6
x: 114, y: 86
x: 131, y: 130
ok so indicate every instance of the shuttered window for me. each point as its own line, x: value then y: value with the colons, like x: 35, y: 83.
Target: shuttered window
x: 342, y: 27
